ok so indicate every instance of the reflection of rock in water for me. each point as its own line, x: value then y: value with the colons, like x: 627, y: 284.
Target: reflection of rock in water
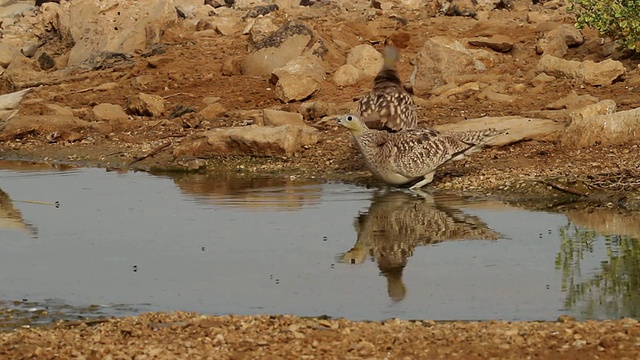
x: 11, y: 218
x: 397, y: 222
x: 607, y: 221
x: 278, y: 193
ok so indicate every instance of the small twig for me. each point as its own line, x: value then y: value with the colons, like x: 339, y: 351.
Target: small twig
x: 56, y: 203
x: 82, y: 90
x: 565, y: 188
x: 177, y: 94
x: 151, y: 153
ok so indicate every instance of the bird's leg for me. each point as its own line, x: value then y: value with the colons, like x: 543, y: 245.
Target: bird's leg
x: 427, y: 179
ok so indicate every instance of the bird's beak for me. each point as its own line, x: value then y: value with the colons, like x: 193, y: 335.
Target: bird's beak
x: 329, y: 119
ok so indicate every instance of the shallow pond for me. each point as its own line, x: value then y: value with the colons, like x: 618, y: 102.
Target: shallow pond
x: 88, y: 242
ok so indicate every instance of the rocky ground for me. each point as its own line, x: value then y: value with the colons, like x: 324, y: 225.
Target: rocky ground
x: 242, y: 87
x: 192, y: 336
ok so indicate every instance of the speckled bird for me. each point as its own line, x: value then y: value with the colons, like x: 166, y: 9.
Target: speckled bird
x: 388, y: 106
x: 413, y: 154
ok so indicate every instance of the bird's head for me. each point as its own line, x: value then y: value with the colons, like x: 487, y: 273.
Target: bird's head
x: 351, y: 122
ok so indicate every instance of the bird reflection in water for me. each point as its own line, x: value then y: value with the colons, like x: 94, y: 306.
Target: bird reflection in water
x: 397, y: 222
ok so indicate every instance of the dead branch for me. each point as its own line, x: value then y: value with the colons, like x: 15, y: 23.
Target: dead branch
x: 151, y: 153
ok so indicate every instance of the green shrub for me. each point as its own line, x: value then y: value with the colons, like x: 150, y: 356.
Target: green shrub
x: 617, y: 19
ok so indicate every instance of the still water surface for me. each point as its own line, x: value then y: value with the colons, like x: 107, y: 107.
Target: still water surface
x: 134, y: 242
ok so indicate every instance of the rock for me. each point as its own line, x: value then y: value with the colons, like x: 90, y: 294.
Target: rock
x: 212, y: 111
x: 145, y: 105
x: 293, y: 88
x: 108, y: 112
x: 319, y: 109
x: 29, y: 49
x: 231, y: 66
x: 16, y: 9
x: 113, y: 26
x: 203, y: 11
x: 557, y: 41
x: 443, y: 92
x: 252, y: 140
x: 277, y: 117
x: 346, y: 75
x: 302, y: 66
x: 226, y: 25
x: 260, y: 10
x: 591, y: 73
x: 42, y: 125
x: 366, y: 59
x: 500, y: 43
x: 572, y: 101
x: 59, y: 110
x: 298, y: 79
x: 542, y: 78
x: 46, y: 62
x: 7, y: 54
x: 413, y: 4
x: 603, y: 107
x: 278, y: 48
x: 520, y: 128
x: 492, y: 96
x: 459, y: 8
x: 258, y: 29
x: 610, y: 129
x: 440, y: 58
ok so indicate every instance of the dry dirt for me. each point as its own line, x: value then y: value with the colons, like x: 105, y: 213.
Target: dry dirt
x: 530, y: 170
x: 192, y: 336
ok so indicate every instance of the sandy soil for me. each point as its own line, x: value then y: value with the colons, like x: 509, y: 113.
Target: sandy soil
x: 530, y: 170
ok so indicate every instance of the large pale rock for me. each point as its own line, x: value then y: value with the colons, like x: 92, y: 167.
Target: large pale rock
x: 299, y: 78
x: 274, y: 117
x: 346, y: 75
x: 7, y: 54
x: 278, y: 48
x: 258, y: 29
x: 113, y: 25
x: 557, y: 41
x: 611, y: 129
x: 302, y: 66
x: 108, y: 112
x: 591, y: 73
x: 440, y: 58
x: 252, y: 140
x: 603, y: 107
x: 293, y: 88
x: 366, y: 59
x: 145, y: 105
x: 212, y: 111
x: 520, y: 128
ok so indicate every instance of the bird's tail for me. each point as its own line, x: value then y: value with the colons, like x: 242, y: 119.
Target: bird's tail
x: 479, y: 137
x: 477, y: 140
x: 391, y: 56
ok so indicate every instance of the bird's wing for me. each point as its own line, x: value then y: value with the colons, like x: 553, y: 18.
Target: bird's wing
x: 390, y: 110
x: 417, y: 152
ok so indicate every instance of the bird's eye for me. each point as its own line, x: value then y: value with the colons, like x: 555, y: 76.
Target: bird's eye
x: 349, y: 118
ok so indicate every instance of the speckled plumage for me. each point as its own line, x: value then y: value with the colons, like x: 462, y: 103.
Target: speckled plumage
x: 396, y: 223
x: 413, y: 154
x: 388, y: 106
